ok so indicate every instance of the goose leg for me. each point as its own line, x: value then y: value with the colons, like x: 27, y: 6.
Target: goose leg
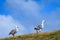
x: 37, y: 31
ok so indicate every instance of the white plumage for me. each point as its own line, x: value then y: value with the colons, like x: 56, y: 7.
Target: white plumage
x: 14, y: 31
x: 41, y: 26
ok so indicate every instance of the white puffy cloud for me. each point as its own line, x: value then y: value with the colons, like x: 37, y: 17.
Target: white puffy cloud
x: 31, y: 9
x: 7, y: 23
x: 25, y: 12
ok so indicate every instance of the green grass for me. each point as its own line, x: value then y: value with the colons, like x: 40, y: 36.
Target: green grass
x: 54, y: 35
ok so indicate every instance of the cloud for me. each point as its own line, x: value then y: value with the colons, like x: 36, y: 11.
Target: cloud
x: 18, y: 7
x: 30, y: 13
x: 26, y: 12
x: 7, y: 23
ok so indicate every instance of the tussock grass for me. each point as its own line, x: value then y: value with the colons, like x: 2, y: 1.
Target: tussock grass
x: 54, y: 35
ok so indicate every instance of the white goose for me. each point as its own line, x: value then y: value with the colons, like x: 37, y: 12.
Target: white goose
x: 40, y: 27
x: 14, y: 31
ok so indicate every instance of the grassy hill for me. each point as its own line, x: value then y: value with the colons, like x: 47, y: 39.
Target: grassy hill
x: 54, y: 35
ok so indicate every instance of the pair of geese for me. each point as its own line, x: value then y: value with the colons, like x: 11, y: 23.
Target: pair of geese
x: 39, y: 27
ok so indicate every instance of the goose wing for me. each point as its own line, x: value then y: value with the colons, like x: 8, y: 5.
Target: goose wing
x: 13, y: 31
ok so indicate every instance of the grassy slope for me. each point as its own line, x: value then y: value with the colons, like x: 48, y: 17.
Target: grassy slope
x: 40, y: 36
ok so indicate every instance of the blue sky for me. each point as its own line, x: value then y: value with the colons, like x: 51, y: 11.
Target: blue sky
x: 27, y: 14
